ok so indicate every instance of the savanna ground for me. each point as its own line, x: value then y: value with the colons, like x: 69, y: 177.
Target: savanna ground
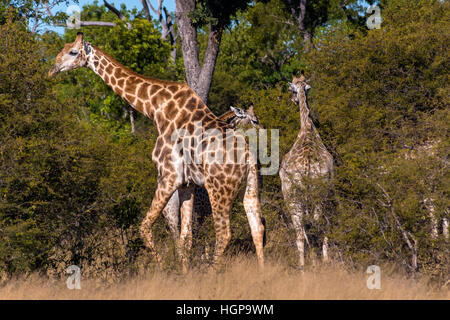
x: 239, y: 280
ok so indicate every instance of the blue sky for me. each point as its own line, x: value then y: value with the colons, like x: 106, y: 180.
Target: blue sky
x: 169, y: 4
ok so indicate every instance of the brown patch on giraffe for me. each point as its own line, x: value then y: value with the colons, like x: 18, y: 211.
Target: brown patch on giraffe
x: 143, y: 91
x: 158, y: 147
x: 208, y: 118
x: 155, y: 101
x: 148, y: 109
x: 165, y: 152
x: 132, y: 83
x: 171, y: 110
x: 109, y: 69
x: 113, y: 81
x: 155, y: 88
x: 120, y: 82
x: 139, y: 105
x: 198, y: 115
x: 213, y: 170
x: 173, y: 88
x: 191, y: 105
x: 164, y: 94
x: 96, y: 63
x: 130, y: 98
x: 190, y: 128
x: 163, y: 125
x: 228, y: 168
x: 168, y: 133
x: 181, y: 97
x: 183, y: 117
x: 159, y: 118
x: 120, y: 74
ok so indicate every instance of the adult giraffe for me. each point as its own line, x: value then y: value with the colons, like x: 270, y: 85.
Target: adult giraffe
x: 308, y: 158
x: 175, y: 109
x: 238, y: 119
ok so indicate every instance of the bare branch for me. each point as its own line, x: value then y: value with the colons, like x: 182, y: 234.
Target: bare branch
x: 157, y: 12
x: 146, y: 10
x: 117, y: 13
x: 407, y: 236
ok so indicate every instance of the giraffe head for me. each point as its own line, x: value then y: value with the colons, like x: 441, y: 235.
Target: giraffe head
x: 242, y: 117
x: 298, y: 87
x: 72, y: 56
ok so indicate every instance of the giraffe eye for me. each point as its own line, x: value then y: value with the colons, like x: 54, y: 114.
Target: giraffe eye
x: 73, y: 53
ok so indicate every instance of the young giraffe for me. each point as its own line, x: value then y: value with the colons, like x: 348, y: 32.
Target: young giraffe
x: 308, y: 158
x: 238, y: 119
x: 173, y: 107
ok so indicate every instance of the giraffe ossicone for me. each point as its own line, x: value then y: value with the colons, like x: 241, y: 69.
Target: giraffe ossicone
x: 172, y: 106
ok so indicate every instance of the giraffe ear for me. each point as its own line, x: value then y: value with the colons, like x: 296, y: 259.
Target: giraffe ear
x: 237, y: 111
x: 302, y: 77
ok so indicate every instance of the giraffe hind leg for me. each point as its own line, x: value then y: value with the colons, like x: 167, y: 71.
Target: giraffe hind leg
x: 186, y: 208
x: 172, y: 212
x: 252, y: 208
x: 221, y: 206
x: 318, y: 213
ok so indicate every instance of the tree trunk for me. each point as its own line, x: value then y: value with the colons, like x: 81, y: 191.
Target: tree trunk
x: 300, y: 18
x: 198, y: 77
x: 131, y: 112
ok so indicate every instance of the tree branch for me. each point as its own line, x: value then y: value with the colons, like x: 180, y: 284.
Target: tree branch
x: 300, y: 18
x: 89, y: 23
x: 407, y: 236
x: 117, y: 13
x: 146, y: 10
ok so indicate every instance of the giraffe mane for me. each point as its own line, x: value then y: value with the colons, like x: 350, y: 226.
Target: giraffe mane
x: 227, y: 116
x: 133, y: 73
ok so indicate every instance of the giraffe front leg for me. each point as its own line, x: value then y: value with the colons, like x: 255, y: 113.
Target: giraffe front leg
x: 187, y: 204
x: 165, y: 189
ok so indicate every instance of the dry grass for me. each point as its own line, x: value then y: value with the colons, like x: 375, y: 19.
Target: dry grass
x: 240, y: 280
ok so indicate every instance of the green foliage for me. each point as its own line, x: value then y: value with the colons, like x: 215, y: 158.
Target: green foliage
x: 382, y: 98
x: 216, y: 12
x: 66, y: 185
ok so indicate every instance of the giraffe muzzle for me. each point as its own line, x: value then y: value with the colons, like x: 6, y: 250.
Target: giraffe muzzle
x: 53, y: 71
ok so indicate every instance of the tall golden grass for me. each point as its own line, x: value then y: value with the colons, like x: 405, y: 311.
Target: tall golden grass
x: 241, y: 279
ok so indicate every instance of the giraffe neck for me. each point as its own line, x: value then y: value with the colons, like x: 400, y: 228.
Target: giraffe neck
x: 133, y: 88
x: 306, y: 123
